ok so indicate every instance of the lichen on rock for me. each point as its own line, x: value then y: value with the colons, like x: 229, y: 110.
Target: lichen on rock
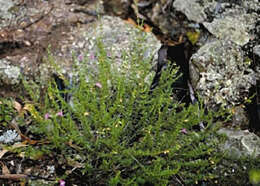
x: 240, y: 143
x: 9, y: 136
x: 222, y: 77
x: 191, y: 9
x: 256, y: 50
x: 5, y: 15
x: 9, y: 74
x: 233, y: 25
x: 118, y: 38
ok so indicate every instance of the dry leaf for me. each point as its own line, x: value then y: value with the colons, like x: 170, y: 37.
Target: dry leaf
x: 13, y: 176
x: 18, y: 145
x: 25, y: 138
x: 147, y: 28
x: 5, y: 170
x: 132, y: 22
x: 2, y: 153
x: 28, y: 140
x: 70, y: 143
x: 17, y: 106
x: 74, y: 163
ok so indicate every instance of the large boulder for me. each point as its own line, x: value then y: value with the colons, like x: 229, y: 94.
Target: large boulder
x: 220, y: 73
x: 240, y: 143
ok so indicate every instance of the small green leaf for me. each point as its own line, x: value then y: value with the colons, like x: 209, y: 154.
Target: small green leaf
x: 254, y: 176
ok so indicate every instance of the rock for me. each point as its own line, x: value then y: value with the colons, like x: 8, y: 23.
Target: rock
x: 192, y: 9
x: 220, y: 74
x: 256, y: 50
x: 9, y: 74
x: 240, y: 143
x: 120, y: 38
x: 240, y: 117
x: 10, y: 136
x: 230, y: 23
x: 234, y: 25
x: 219, y: 19
x: 5, y: 14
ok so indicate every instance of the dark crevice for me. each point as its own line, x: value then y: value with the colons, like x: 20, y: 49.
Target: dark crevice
x: 253, y: 109
x: 178, y: 55
x: 8, y: 46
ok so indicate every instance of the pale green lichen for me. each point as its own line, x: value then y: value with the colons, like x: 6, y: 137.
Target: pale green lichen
x: 4, y: 13
x: 240, y: 143
x: 225, y: 78
x: 233, y: 27
x: 9, y: 74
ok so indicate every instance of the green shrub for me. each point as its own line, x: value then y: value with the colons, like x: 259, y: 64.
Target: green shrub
x: 7, y: 112
x: 120, y: 132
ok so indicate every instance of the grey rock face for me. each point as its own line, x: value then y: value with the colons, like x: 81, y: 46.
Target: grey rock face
x: 240, y: 117
x: 120, y: 38
x: 221, y: 74
x: 256, y: 50
x: 191, y: 9
x: 233, y: 25
x: 5, y: 5
x: 228, y: 23
x: 240, y: 143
